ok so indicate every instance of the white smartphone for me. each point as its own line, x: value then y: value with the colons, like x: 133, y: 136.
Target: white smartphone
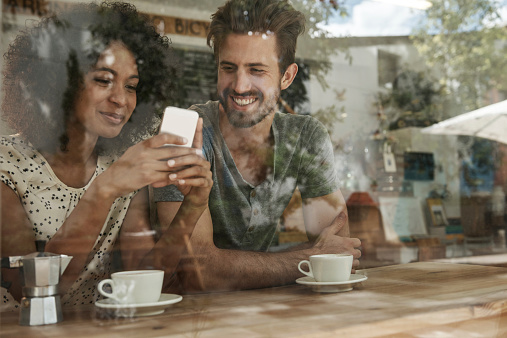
x: 180, y: 122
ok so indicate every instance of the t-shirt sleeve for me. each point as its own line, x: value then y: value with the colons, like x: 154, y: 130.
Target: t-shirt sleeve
x: 318, y: 175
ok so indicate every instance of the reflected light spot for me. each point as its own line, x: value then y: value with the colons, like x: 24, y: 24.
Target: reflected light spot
x: 44, y: 108
x: 108, y: 57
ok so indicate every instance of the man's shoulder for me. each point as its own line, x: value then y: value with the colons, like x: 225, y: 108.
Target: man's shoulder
x: 295, y: 123
x: 209, y: 113
x: 297, y: 119
x: 206, y: 110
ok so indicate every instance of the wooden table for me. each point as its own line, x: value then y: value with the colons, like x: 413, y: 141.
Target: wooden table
x: 425, y: 299
x: 491, y: 259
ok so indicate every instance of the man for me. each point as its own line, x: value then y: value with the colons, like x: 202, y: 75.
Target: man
x: 259, y: 156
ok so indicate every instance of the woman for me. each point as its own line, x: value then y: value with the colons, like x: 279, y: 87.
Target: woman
x: 80, y: 88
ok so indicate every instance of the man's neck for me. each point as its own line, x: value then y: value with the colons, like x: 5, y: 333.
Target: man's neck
x: 258, y: 136
x: 251, y: 148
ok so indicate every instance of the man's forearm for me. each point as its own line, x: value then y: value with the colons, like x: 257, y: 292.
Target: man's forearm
x: 222, y: 269
x: 206, y: 267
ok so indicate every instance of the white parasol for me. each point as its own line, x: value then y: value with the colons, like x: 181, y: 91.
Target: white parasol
x: 488, y: 122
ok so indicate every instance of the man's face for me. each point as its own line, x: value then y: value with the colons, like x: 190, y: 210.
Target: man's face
x: 249, y: 80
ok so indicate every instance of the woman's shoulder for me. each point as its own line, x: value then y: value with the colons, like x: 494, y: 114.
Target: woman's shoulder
x: 104, y: 162
x: 16, y: 148
x: 20, y: 163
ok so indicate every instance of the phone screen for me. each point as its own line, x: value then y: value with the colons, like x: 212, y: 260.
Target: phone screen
x: 181, y: 122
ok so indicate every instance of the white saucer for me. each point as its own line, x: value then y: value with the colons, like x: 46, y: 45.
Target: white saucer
x: 138, y: 310
x: 332, y: 286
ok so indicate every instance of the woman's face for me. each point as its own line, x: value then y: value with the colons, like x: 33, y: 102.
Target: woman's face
x: 108, y: 97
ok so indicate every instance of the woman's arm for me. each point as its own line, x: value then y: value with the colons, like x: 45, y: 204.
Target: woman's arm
x: 137, y: 245
x: 174, y: 242
x: 141, y: 165
x: 137, y: 238
x: 195, y: 183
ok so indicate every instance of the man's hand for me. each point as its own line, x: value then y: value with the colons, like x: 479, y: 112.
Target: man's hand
x: 328, y: 242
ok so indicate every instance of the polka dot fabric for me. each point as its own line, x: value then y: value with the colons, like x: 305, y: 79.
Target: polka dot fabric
x: 48, y: 202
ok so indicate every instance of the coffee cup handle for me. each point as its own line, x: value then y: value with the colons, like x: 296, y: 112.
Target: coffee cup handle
x: 308, y: 273
x: 111, y: 294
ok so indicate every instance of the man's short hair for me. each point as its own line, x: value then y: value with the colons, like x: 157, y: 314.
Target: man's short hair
x: 276, y: 17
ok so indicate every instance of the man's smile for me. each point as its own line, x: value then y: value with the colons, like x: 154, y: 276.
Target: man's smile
x: 243, y: 102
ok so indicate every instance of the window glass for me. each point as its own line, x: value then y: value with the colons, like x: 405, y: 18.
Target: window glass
x: 379, y: 77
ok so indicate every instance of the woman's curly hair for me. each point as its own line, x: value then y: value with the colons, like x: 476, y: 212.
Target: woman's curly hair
x: 45, y: 66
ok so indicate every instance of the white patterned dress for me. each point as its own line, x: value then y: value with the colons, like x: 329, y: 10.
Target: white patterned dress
x: 48, y: 202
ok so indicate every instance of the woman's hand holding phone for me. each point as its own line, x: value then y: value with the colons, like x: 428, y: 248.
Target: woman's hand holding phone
x: 159, y: 161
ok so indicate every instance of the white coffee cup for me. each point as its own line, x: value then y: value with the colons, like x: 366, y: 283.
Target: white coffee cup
x: 328, y: 267
x: 134, y: 287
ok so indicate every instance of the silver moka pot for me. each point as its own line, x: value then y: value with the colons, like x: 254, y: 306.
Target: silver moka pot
x: 39, y: 274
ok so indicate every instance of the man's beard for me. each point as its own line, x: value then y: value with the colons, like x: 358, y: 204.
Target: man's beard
x: 241, y: 119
